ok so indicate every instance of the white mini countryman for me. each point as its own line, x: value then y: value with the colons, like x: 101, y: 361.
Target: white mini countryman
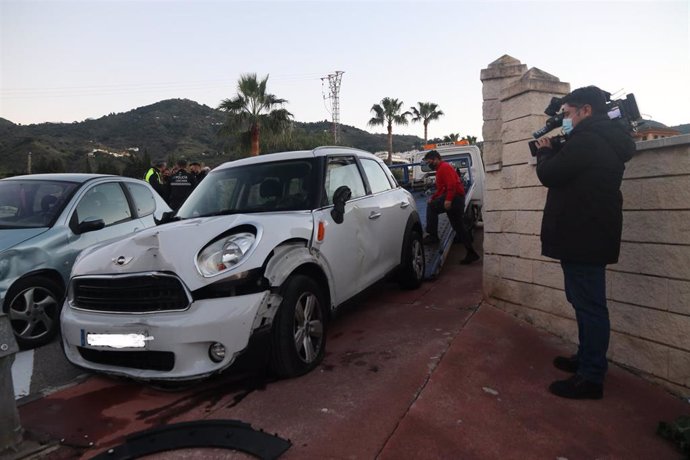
x: 268, y: 245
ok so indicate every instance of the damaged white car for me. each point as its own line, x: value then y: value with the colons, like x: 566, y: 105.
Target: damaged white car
x: 270, y: 244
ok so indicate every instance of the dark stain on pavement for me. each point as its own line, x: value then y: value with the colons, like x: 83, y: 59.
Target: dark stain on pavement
x: 55, y: 416
x: 208, y: 394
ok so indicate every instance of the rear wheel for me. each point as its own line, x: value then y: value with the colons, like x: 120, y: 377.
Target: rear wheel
x: 413, y: 264
x: 299, y: 328
x: 33, y: 306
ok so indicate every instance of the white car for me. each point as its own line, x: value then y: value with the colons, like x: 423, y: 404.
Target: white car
x: 270, y: 244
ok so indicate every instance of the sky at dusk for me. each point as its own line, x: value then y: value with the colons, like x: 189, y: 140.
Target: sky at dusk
x: 65, y: 61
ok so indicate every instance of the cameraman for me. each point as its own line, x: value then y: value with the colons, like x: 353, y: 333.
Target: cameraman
x: 582, y: 227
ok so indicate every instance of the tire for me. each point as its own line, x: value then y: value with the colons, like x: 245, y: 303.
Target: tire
x: 413, y: 264
x: 33, y: 306
x: 298, y: 340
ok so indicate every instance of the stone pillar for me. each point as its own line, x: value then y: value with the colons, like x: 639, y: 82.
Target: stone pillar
x: 499, y: 74
x: 514, y: 199
x: 522, y: 110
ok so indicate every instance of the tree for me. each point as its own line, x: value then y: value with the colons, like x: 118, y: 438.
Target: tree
x: 47, y: 164
x: 452, y: 137
x: 388, y: 112
x: 470, y: 139
x: 253, y: 111
x: 425, y: 112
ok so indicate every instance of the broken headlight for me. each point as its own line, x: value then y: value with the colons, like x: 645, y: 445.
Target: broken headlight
x: 224, y: 253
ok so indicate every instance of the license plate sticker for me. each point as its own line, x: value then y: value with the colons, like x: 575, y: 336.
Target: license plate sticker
x: 137, y: 340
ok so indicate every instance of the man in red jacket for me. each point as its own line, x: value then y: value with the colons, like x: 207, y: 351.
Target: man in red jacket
x: 449, y: 198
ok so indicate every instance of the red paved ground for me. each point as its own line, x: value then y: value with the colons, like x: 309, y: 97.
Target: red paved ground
x: 422, y: 374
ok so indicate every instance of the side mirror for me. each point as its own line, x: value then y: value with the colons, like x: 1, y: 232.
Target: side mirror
x: 90, y: 224
x: 168, y: 216
x: 340, y: 197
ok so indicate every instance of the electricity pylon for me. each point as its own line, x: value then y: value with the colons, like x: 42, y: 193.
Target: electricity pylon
x: 334, y: 96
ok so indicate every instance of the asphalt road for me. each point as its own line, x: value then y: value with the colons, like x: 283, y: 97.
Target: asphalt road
x: 41, y: 371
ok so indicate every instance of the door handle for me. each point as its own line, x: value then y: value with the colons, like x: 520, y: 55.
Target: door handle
x: 404, y: 204
x: 374, y: 215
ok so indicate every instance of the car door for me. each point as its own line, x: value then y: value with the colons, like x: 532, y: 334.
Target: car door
x: 394, y: 208
x: 106, y: 201
x: 343, y: 246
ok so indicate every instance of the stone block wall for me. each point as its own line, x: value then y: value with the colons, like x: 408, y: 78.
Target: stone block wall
x: 648, y: 291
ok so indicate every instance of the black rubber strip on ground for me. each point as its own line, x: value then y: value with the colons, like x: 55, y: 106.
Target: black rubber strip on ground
x: 224, y: 434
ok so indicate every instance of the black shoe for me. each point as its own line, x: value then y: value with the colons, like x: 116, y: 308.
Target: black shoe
x: 431, y: 239
x: 576, y: 387
x: 567, y: 364
x: 471, y: 256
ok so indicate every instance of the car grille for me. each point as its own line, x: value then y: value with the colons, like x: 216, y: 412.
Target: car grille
x: 129, y: 294
x: 148, y: 360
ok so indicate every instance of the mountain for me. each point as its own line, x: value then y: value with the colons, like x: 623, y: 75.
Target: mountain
x: 685, y: 128
x: 170, y: 129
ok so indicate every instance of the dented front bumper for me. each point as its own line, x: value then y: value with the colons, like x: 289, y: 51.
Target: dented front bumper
x: 176, y: 344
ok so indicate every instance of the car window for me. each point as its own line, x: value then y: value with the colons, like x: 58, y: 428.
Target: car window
x: 343, y: 171
x: 104, y: 201
x: 32, y: 203
x: 144, y: 202
x: 378, y: 179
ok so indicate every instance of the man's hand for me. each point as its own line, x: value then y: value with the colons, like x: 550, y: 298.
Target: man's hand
x: 446, y: 205
x: 544, y: 142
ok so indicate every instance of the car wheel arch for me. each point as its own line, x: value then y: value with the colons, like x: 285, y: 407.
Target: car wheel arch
x: 296, y: 258
x: 51, y: 274
x: 39, y: 295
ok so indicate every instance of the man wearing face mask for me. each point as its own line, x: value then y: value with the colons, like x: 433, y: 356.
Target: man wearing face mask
x: 449, y: 198
x: 582, y: 226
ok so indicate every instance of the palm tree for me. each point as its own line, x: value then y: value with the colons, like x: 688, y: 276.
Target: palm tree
x: 470, y: 139
x: 253, y: 110
x: 452, y: 137
x: 425, y: 112
x: 388, y: 112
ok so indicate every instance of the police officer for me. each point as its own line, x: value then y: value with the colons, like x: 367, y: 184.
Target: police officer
x: 155, y: 177
x: 181, y: 185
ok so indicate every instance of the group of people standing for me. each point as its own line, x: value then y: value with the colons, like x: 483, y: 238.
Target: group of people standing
x: 176, y: 184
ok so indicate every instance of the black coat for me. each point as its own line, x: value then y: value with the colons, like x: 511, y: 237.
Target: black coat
x: 583, y: 216
x: 181, y: 185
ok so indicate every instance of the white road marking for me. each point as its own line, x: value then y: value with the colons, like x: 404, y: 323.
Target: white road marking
x: 22, y: 368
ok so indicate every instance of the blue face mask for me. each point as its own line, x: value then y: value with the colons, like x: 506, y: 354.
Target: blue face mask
x: 567, y: 126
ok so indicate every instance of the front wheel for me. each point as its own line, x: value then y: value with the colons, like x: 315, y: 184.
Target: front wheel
x: 413, y: 264
x: 299, y: 328
x: 33, y: 306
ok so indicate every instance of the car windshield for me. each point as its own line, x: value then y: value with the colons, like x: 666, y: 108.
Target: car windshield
x: 32, y: 203
x: 262, y: 187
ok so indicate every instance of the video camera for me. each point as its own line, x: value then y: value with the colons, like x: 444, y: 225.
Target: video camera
x: 624, y: 111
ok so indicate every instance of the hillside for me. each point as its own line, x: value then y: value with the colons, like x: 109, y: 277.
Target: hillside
x: 174, y: 128
x: 685, y: 128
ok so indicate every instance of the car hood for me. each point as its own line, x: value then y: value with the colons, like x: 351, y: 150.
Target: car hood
x: 13, y: 236
x: 173, y: 247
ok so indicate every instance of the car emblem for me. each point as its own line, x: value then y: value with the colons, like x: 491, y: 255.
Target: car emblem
x: 122, y: 260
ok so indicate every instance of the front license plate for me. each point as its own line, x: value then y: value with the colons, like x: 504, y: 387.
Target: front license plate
x: 134, y: 340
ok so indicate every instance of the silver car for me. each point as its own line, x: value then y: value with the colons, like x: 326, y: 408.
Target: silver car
x: 46, y: 220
